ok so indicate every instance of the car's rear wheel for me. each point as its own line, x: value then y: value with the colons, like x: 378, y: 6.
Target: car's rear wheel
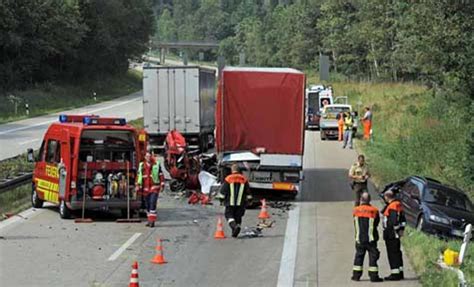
x: 420, y: 223
x: 36, y: 202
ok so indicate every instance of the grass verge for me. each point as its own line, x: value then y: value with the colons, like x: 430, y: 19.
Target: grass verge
x: 15, y: 200
x: 49, y: 98
x: 138, y: 123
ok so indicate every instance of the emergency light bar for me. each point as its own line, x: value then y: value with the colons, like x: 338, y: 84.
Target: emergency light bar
x: 92, y: 120
x: 74, y: 118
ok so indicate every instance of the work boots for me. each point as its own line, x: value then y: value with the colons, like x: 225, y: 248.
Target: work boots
x: 393, y: 277
x: 356, y: 275
x: 374, y: 277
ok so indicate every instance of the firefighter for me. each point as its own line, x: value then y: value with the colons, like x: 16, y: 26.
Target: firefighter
x: 235, y: 192
x: 393, y: 227
x: 150, y: 180
x: 366, y: 221
x: 348, y: 126
x: 359, y: 174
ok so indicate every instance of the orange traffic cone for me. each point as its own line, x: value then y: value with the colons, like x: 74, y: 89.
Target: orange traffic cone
x: 159, y: 258
x: 219, y: 230
x: 263, y: 212
x: 134, y: 275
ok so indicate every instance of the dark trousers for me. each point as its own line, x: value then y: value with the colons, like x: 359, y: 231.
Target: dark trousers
x: 374, y: 254
x: 359, y: 188
x: 234, y: 213
x: 150, y: 204
x: 395, y: 256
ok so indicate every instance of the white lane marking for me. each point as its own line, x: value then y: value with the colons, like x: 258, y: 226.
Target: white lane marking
x: 51, y: 121
x: 124, y: 246
x: 25, y: 215
x: 288, y: 257
x: 29, y: 141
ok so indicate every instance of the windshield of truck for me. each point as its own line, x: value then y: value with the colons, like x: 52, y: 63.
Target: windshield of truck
x: 107, y: 145
x: 449, y: 198
x: 313, y: 105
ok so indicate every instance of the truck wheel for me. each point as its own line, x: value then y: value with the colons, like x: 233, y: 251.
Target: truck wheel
x: 64, y: 211
x: 36, y: 202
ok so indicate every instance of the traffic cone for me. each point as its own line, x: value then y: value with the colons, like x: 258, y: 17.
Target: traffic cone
x: 219, y: 230
x: 134, y: 276
x: 263, y: 212
x: 159, y: 258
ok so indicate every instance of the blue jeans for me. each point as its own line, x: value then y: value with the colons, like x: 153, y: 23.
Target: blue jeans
x: 150, y: 201
x: 347, y: 138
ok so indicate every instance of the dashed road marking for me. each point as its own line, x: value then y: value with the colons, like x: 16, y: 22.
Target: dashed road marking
x: 124, y: 247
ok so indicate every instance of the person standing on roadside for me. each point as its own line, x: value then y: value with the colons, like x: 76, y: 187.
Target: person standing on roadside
x: 151, y: 181
x: 367, y: 122
x: 348, y: 129
x: 366, y: 221
x: 394, y: 223
x: 359, y: 174
x: 340, y: 126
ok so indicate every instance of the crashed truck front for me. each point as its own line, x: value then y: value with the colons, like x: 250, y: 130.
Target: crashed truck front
x: 260, y: 126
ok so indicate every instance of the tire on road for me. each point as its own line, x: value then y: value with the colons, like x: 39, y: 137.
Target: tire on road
x: 36, y: 202
x: 64, y: 211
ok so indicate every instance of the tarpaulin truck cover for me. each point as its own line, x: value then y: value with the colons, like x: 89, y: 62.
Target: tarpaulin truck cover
x: 260, y: 107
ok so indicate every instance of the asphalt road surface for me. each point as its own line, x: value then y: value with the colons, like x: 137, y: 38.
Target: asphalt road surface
x: 311, y: 245
x: 17, y: 137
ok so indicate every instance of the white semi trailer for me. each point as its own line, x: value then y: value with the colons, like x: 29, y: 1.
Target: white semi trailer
x: 179, y: 98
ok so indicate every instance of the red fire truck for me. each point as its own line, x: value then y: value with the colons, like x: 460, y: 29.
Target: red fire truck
x: 91, y: 156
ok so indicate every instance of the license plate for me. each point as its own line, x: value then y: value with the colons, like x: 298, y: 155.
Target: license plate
x: 459, y: 233
x: 262, y: 176
x: 283, y: 186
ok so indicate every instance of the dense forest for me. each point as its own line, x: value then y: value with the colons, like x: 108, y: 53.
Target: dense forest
x: 66, y: 40
x: 429, y: 42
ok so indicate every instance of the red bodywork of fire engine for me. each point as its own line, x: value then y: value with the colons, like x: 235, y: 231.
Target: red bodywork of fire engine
x: 63, y: 169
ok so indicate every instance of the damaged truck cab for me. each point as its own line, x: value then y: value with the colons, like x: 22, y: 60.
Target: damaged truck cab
x: 91, y: 156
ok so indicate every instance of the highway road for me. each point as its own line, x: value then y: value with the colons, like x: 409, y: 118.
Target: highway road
x: 16, y: 137
x: 311, y: 245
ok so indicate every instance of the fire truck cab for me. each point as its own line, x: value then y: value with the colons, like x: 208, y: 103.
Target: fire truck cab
x: 86, y: 155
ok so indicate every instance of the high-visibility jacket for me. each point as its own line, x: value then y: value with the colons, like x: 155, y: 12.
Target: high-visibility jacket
x: 235, y: 190
x: 394, y: 219
x: 366, y: 221
x: 149, y: 181
x: 348, y: 123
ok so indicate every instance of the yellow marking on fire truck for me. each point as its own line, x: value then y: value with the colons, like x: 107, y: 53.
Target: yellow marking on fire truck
x: 52, y: 171
x: 49, y: 195
x: 48, y: 185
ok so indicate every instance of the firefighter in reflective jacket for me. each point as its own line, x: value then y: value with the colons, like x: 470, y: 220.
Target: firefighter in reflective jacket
x: 235, y: 192
x: 150, y: 180
x: 366, y: 221
x: 393, y: 226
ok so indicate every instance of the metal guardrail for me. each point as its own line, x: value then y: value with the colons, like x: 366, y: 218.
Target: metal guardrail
x: 10, y: 183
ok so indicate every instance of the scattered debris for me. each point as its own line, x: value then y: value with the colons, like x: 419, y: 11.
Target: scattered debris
x: 265, y: 224
x: 282, y: 205
x: 251, y: 232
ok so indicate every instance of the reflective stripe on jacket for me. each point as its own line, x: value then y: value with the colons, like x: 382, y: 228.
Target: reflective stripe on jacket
x: 233, y: 189
x: 155, y: 173
x: 366, y: 220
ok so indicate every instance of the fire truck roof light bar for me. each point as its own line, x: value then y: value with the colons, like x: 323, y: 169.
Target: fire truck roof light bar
x: 91, y: 120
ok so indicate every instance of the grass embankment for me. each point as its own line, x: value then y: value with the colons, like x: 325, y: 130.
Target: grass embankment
x: 415, y: 133
x: 16, y: 199
x: 49, y: 98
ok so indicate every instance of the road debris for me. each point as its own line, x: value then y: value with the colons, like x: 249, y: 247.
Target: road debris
x: 282, y: 205
x: 251, y: 232
x: 265, y: 224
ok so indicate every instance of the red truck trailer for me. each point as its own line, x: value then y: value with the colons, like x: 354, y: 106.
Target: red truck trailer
x: 260, y: 125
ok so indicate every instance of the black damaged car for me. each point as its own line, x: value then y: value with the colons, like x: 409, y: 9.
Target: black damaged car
x: 433, y: 207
